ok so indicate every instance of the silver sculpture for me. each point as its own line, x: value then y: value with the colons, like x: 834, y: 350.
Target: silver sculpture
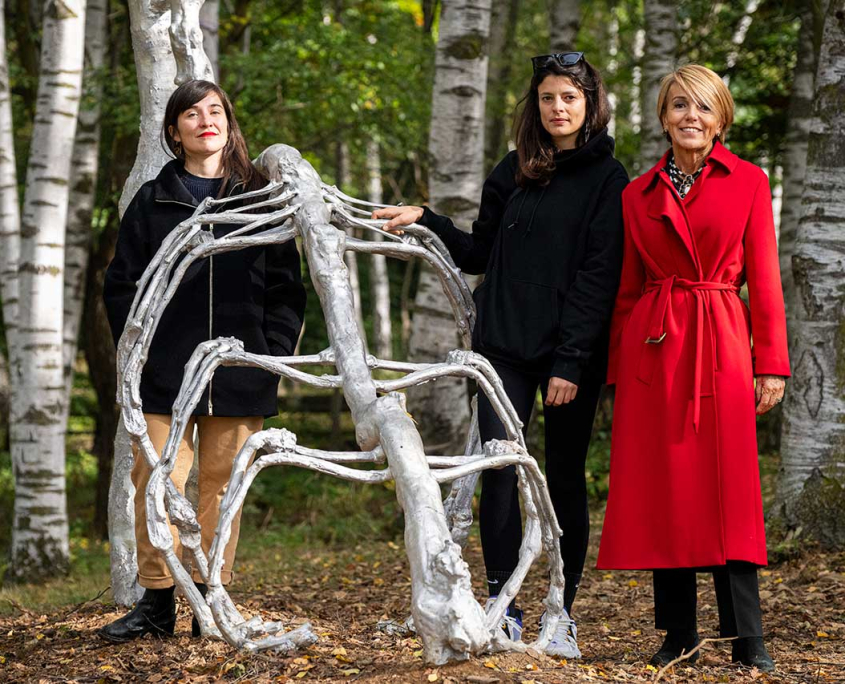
x: 450, y: 622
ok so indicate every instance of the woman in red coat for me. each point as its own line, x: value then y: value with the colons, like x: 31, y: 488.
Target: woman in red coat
x: 684, y: 480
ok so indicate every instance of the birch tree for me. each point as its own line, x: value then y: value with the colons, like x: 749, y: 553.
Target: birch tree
x: 210, y: 25
x: 83, y: 179
x: 40, y: 526
x: 795, y: 154
x: 456, y: 150
x: 661, y: 45
x: 504, y: 15
x: 10, y: 228
x: 565, y: 22
x: 167, y: 44
x: 379, y: 281
x: 812, y: 484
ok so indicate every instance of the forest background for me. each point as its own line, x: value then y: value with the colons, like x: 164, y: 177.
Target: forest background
x: 350, y: 84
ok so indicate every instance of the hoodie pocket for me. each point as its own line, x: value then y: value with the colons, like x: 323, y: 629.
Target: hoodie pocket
x: 516, y: 319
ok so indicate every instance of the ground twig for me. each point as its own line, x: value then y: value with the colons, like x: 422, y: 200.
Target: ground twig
x: 689, y: 654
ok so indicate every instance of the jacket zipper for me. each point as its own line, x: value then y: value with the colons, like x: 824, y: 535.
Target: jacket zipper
x: 210, y: 317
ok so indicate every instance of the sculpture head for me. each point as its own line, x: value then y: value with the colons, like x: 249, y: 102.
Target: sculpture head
x: 199, y: 122
x: 565, y: 104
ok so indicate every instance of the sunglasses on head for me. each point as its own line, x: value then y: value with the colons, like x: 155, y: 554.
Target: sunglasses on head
x: 564, y: 59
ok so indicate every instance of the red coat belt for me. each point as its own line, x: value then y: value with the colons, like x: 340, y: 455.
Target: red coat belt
x: 657, y: 332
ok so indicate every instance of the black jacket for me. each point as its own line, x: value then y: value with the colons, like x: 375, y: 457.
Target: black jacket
x: 255, y: 295
x: 552, y: 258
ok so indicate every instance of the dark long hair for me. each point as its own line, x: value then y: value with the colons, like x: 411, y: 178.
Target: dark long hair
x: 534, y: 145
x: 237, y: 167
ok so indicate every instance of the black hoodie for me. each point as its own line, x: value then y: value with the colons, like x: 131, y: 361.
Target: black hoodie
x: 552, y: 257
x: 254, y: 294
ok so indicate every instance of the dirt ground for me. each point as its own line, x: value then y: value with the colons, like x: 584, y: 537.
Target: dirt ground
x: 344, y: 593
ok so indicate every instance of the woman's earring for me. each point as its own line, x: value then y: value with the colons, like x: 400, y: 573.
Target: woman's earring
x: 177, y: 149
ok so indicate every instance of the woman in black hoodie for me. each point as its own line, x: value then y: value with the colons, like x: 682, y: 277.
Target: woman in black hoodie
x: 548, y: 239
x: 255, y: 295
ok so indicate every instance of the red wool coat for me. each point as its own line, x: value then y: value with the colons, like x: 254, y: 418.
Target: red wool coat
x: 684, y: 480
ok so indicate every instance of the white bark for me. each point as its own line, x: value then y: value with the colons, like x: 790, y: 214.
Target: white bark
x: 161, y: 40
x: 40, y: 527
x: 738, y: 37
x: 344, y: 181
x: 813, y: 447
x: 83, y: 181
x: 504, y: 15
x: 379, y: 281
x: 10, y: 218
x: 661, y: 22
x: 456, y: 149
x: 565, y: 22
x: 210, y: 25
x: 795, y: 155
x: 612, y: 67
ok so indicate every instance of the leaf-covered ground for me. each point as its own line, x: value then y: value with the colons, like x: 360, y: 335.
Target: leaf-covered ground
x: 345, y: 592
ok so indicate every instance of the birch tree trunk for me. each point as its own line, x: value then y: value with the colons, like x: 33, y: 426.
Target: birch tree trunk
x: 738, y: 37
x: 210, y: 25
x: 344, y: 180
x: 456, y: 149
x: 83, y: 181
x: 166, y: 49
x: 504, y: 15
x: 565, y: 22
x: 379, y: 280
x: 10, y: 218
x: 661, y: 35
x: 40, y: 527
x: 812, y: 484
x: 795, y: 156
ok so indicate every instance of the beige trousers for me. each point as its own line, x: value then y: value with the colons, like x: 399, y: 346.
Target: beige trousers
x: 220, y: 439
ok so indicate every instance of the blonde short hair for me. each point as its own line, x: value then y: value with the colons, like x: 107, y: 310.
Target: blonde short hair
x: 704, y: 86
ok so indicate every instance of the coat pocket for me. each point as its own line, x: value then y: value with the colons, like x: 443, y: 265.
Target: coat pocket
x: 648, y: 359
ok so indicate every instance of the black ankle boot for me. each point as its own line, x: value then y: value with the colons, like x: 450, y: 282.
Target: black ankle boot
x: 676, y: 643
x: 751, y: 652
x: 195, y: 625
x: 155, y: 613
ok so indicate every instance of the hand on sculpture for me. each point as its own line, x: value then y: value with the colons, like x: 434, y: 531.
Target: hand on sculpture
x: 398, y: 217
x: 560, y: 392
x: 769, y: 392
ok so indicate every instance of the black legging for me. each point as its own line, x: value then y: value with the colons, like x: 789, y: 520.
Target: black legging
x: 568, y: 430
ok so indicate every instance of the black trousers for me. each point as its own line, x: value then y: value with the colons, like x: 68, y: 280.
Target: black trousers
x: 567, y: 429
x: 737, y: 595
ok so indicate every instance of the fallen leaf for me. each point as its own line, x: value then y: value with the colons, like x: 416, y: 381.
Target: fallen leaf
x: 633, y: 583
x: 351, y: 671
x: 433, y: 677
x: 489, y: 663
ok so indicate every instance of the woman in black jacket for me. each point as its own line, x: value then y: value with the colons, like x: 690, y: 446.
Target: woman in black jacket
x: 548, y: 239
x: 255, y: 295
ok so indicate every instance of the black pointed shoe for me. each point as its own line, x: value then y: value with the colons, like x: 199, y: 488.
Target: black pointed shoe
x: 675, y: 644
x: 751, y: 652
x: 195, y: 624
x: 155, y: 613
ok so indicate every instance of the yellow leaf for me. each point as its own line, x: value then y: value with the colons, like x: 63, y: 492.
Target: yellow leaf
x: 433, y: 677
x: 607, y: 576
x: 613, y: 638
x: 418, y: 654
x: 823, y: 635
x: 779, y: 580
x: 106, y: 668
x: 378, y: 581
x: 636, y: 632
x: 376, y: 565
x: 490, y: 664
x: 633, y: 583
x: 562, y: 661
x: 340, y: 650
x: 393, y: 546
x: 351, y: 671
x: 2, y: 660
x: 39, y: 636
x: 766, y: 573
x: 651, y: 668
x: 302, y: 661
x: 531, y: 666
x: 300, y: 675
x: 343, y: 659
